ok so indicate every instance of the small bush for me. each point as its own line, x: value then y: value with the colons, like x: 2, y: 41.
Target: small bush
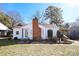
x: 15, y: 38
x: 9, y: 35
x: 9, y: 38
x: 55, y: 39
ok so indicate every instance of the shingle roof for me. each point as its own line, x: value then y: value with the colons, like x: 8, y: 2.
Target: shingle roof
x: 44, y: 25
x: 19, y: 26
x: 49, y: 25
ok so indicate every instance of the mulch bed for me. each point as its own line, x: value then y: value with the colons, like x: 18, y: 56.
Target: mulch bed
x: 35, y: 42
x: 24, y: 42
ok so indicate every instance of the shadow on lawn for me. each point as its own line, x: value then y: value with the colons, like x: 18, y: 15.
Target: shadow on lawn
x: 6, y: 42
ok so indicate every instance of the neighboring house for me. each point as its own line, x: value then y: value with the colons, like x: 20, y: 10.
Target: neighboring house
x: 74, y: 30
x: 35, y: 31
x: 3, y: 30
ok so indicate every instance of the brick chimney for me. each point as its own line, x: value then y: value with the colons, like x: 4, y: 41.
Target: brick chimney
x: 36, y: 29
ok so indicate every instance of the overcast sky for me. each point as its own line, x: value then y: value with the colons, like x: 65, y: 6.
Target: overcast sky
x: 27, y: 10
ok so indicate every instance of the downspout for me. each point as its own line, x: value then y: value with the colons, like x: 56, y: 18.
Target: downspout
x: 22, y: 33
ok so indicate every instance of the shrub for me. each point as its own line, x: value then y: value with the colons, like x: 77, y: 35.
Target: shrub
x: 9, y: 35
x: 15, y: 38
x: 9, y: 38
x: 55, y: 39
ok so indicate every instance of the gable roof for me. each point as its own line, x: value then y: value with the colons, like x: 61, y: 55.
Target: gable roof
x: 3, y: 27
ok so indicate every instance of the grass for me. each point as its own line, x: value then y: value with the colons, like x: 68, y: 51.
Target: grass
x: 13, y: 48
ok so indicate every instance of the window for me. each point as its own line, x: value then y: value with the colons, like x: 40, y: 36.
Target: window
x: 17, y: 32
x: 26, y: 33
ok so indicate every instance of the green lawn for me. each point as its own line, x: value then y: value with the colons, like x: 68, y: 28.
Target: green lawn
x: 11, y: 47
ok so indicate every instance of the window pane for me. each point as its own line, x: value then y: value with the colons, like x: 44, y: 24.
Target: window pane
x: 17, y: 32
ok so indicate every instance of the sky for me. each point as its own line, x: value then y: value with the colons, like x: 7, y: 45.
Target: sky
x: 27, y: 10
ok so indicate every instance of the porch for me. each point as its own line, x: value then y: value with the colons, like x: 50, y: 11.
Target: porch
x: 3, y: 33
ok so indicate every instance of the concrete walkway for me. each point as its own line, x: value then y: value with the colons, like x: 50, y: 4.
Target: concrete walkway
x: 3, y: 37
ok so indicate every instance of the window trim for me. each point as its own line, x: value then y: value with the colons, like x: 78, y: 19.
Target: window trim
x: 17, y: 32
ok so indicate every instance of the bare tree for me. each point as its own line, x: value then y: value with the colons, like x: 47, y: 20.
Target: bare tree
x: 16, y: 18
x: 39, y: 16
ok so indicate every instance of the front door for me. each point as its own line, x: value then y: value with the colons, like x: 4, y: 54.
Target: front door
x: 50, y: 34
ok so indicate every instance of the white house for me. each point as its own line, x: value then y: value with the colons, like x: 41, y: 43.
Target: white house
x: 23, y: 32
x: 35, y: 31
x: 3, y: 30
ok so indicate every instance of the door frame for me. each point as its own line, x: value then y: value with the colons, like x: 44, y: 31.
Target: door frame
x: 50, y: 34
